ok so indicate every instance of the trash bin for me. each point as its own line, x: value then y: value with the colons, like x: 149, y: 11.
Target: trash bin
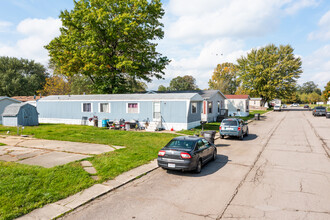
x: 209, y: 135
x: 105, y: 123
x: 127, y: 126
x: 257, y: 116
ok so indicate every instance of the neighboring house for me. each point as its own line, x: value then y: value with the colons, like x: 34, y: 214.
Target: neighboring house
x: 28, y: 99
x: 167, y: 110
x: 22, y: 114
x: 257, y: 103
x: 4, y: 102
x: 328, y: 102
x: 275, y: 102
x: 237, y: 105
x: 213, y: 104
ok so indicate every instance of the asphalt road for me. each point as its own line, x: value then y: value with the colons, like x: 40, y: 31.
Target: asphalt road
x: 280, y: 171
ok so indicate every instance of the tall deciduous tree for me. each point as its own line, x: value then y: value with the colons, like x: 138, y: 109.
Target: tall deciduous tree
x: 56, y: 85
x: 183, y: 83
x: 270, y: 72
x: 162, y: 88
x: 21, y: 77
x: 326, y: 92
x: 111, y: 42
x: 309, y: 87
x: 224, y: 78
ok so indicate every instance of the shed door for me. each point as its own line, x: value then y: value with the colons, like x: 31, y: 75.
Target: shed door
x: 156, y: 111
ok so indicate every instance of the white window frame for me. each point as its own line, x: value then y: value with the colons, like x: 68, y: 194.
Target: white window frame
x: 192, y: 107
x: 82, y: 106
x: 208, y: 108
x: 138, y: 104
x: 109, y: 107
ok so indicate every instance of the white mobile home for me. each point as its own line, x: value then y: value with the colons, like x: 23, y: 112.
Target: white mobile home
x: 171, y: 110
x: 238, y: 105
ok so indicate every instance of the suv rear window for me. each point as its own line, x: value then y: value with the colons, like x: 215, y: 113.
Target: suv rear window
x: 229, y: 123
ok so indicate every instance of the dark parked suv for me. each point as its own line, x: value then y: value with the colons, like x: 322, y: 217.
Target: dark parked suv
x: 319, y: 111
x: 233, y: 127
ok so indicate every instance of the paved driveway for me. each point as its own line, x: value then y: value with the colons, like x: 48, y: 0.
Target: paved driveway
x: 47, y: 153
x: 281, y: 171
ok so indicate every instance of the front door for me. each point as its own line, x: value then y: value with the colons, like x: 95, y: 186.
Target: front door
x: 156, y: 111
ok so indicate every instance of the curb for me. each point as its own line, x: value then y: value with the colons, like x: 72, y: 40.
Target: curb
x: 64, y: 206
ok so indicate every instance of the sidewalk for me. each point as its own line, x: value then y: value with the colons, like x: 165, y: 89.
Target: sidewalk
x: 63, y: 206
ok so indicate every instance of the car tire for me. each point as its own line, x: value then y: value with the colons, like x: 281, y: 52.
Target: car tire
x: 241, y: 136
x: 222, y: 136
x: 214, y: 155
x: 247, y: 132
x: 199, y: 166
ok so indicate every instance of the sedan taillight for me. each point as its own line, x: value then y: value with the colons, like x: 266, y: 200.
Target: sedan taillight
x: 220, y: 128
x: 239, y: 128
x: 185, y: 155
x: 161, y: 153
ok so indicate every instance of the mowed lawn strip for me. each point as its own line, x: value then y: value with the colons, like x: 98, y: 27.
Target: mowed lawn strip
x: 215, y: 125
x: 24, y: 188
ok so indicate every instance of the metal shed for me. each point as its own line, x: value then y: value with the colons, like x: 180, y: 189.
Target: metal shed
x: 4, y: 102
x: 20, y: 114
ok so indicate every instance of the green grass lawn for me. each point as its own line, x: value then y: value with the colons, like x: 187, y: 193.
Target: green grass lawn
x: 215, y: 125
x: 24, y: 188
x: 1, y: 144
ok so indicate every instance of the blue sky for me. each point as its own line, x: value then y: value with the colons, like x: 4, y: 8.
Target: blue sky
x: 195, y: 32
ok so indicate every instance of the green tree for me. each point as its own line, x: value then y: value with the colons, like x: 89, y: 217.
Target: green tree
x: 326, y: 92
x: 21, y: 77
x: 80, y: 84
x: 309, y: 87
x: 313, y: 97
x: 162, y: 88
x: 224, y: 78
x: 270, y: 72
x: 56, y: 85
x: 111, y: 42
x: 183, y: 83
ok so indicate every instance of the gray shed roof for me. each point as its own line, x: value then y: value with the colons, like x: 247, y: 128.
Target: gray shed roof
x: 124, y: 97
x: 12, y: 109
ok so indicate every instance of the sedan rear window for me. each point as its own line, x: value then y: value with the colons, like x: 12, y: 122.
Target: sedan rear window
x: 320, y: 108
x: 181, y: 144
x: 229, y: 123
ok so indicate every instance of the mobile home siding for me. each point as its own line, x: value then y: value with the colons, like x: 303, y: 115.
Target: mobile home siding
x: 171, y: 111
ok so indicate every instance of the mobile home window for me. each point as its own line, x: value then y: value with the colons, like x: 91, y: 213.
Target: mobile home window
x: 105, y: 107
x: 209, y: 104
x: 194, y: 107
x: 132, y: 107
x: 218, y: 107
x: 87, y: 107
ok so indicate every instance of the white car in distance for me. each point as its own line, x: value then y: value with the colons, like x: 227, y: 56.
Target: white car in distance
x: 277, y: 108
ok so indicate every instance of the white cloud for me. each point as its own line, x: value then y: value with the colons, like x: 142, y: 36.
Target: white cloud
x: 294, y: 6
x: 324, y: 28
x: 201, y: 67
x: 4, y: 26
x: 36, y: 33
x: 317, y: 66
x: 236, y: 18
